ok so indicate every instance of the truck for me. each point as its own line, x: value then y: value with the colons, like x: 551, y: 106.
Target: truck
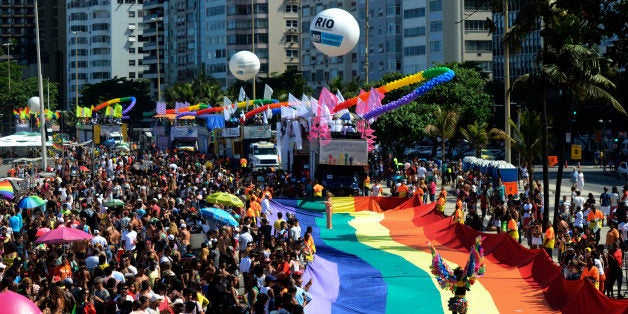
x: 341, y: 165
x: 263, y: 154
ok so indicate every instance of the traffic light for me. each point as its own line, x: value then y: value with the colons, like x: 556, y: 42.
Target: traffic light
x: 573, y: 116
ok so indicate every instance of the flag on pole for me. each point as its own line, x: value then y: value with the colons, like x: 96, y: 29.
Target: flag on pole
x: 242, y: 95
x: 226, y: 110
x: 326, y: 98
x: 160, y: 108
x: 339, y: 97
x: 268, y: 92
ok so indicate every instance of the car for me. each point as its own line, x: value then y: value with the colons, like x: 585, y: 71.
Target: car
x: 622, y: 170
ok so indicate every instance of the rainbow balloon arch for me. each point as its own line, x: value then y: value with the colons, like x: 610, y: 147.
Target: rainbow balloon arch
x: 118, y: 110
x: 428, y: 79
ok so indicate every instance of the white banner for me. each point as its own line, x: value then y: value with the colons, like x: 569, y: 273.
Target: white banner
x: 256, y: 131
x: 183, y: 132
x: 231, y: 132
x: 344, y: 152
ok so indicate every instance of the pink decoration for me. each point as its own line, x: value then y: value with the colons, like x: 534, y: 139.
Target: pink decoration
x: 328, y: 99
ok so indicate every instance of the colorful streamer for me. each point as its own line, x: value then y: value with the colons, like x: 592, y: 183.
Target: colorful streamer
x: 258, y: 102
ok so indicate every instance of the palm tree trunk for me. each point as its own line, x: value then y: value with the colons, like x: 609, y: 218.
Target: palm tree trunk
x: 544, y: 153
x: 562, y: 129
x: 442, y: 157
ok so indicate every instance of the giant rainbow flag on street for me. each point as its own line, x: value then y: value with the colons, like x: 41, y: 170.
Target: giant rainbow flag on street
x: 376, y: 260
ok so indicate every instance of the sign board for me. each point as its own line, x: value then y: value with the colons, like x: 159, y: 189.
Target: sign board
x: 159, y: 130
x: 256, y: 131
x: 576, y: 152
x: 344, y: 152
x: 187, y: 131
x: 231, y: 132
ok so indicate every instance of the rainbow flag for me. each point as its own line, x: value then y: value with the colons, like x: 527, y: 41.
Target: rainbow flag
x: 6, y: 189
x: 376, y: 259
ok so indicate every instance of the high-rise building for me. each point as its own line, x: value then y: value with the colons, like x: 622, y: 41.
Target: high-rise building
x: 522, y: 62
x: 213, y: 39
x: 103, y: 42
x: 17, y: 35
x: 437, y: 31
x: 319, y: 69
x: 153, y: 25
x: 275, y: 25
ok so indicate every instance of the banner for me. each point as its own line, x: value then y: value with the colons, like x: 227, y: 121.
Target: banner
x: 256, y: 131
x: 344, y: 152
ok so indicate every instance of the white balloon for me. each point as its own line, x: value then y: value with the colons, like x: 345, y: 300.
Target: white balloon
x: 244, y: 65
x: 33, y: 104
x: 334, y: 32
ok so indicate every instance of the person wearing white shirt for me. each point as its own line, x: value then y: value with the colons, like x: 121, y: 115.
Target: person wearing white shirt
x: 376, y: 189
x: 245, y: 238
x: 295, y: 231
x: 245, y: 263
x: 130, y: 239
x: 579, y: 220
x: 98, y: 239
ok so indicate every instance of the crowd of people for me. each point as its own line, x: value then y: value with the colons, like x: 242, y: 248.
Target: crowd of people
x: 141, y: 258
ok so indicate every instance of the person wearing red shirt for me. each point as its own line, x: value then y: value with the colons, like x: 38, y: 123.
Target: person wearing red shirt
x: 64, y: 270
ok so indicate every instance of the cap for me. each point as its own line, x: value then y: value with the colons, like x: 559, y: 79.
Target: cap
x: 183, y: 225
x: 96, y: 231
x: 588, y: 250
x: 67, y: 281
x: 170, y: 237
x: 99, y: 280
x: 156, y: 297
x: 56, y: 279
x: 271, y: 278
x: 177, y: 301
x: 2, y: 266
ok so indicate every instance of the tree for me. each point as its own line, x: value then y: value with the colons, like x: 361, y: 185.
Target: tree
x: 403, y: 127
x: 478, y: 136
x: 94, y: 94
x: 526, y: 137
x: 348, y: 89
x: 290, y: 81
x: 443, y: 127
x: 202, y: 89
x: 21, y: 90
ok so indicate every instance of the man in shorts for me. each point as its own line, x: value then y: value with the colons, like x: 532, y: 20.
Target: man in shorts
x: 605, y: 204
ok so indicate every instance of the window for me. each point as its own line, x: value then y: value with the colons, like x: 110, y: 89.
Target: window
x: 292, y: 23
x: 100, y: 75
x: 132, y: 63
x: 435, y: 46
x: 392, y: 28
x: 393, y: 10
x: 414, y: 31
x: 476, y: 5
x: 291, y: 8
x: 436, y: 26
x: 478, y: 46
x: 414, y: 51
x: 100, y: 27
x: 132, y: 75
x: 131, y: 50
x: 474, y: 25
x: 412, y: 13
x: 436, y: 5
x: 100, y: 63
x: 100, y: 51
x: 80, y: 16
x: 292, y: 53
x: 131, y: 13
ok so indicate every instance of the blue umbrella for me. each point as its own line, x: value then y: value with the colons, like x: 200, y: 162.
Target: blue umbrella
x: 219, y: 215
x: 31, y: 202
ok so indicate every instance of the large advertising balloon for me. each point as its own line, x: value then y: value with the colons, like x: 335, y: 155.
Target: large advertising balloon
x: 244, y: 65
x: 334, y: 32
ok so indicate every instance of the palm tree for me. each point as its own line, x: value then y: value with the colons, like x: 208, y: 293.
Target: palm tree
x: 526, y: 137
x: 574, y: 71
x: 443, y: 127
x: 202, y: 89
x: 478, y: 136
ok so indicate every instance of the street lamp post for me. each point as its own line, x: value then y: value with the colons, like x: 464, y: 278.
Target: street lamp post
x: 76, y: 77
x: 8, y: 45
x: 41, y: 92
x: 603, y: 149
x: 157, y: 20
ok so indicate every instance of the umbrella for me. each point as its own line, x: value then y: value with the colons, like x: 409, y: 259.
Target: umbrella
x: 84, y: 169
x: 114, y: 203
x: 219, y: 215
x: 224, y: 198
x: 42, y: 231
x: 6, y: 189
x: 15, y: 303
x: 64, y: 235
x: 32, y: 201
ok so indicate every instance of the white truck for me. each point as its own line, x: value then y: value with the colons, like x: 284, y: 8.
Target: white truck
x: 263, y: 154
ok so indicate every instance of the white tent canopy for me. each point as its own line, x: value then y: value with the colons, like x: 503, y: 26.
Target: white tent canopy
x: 23, y: 139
